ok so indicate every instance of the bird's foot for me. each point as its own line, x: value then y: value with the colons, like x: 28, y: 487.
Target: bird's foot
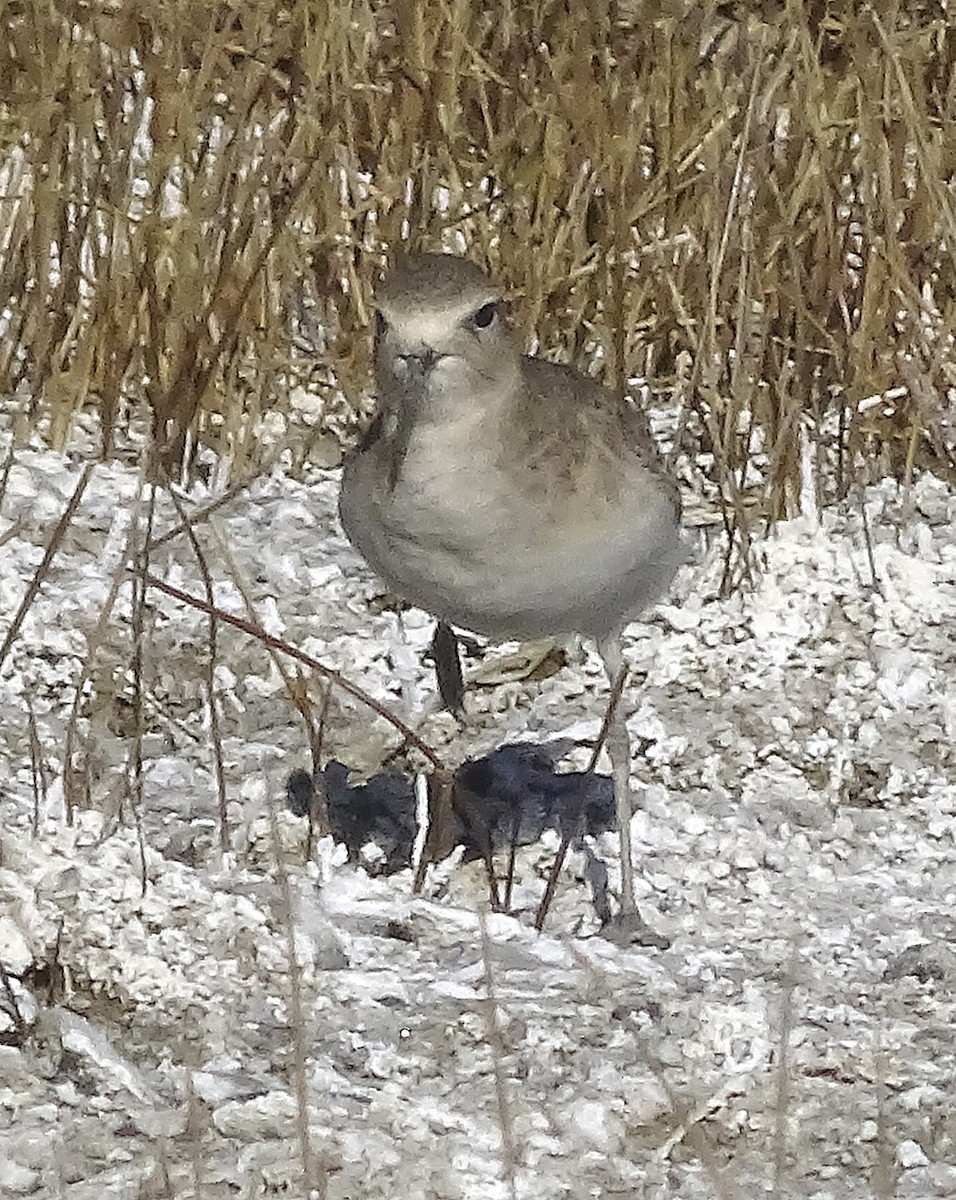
x: 628, y: 928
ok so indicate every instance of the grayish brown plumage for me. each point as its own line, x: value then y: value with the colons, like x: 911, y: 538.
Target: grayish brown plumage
x: 506, y: 494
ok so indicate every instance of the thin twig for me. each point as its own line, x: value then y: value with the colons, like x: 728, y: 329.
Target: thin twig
x: 315, y: 1177
x: 340, y: 681
x: 37, y: 770
x: 40, y: 574
x: 496, y: 1043
x: 203, y: 514
x: 138, y: 619
x: 783, y: 1076
x: 215, y: 730
x: 572, y: 830
x: 94, y: 640
x: 868, y: 543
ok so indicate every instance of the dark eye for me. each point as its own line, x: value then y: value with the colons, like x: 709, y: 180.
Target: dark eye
x: 484, y: 316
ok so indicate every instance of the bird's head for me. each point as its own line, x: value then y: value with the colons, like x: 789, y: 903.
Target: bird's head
x: 441, y: 324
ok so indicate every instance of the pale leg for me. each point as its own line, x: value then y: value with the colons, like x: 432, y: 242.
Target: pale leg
x: 619, y: 748
x: 628, y: 926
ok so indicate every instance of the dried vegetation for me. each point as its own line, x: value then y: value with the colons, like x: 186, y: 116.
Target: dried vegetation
x: 750, y: 207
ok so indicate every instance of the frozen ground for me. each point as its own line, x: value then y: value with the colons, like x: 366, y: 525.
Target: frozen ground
x: 797, y: 790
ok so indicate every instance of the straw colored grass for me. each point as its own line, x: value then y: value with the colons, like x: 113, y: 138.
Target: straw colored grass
x: 750, y: 209
x: 753, y: 211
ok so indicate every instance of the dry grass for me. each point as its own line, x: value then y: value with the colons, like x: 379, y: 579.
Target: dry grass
x: 753, y: 212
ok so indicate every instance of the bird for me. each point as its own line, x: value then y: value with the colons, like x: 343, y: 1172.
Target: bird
x: 504, y: 493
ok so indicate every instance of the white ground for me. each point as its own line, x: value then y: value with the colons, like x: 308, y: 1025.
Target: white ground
x: 796, y: 778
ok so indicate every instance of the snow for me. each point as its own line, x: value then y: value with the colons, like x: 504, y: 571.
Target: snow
x: 796, y: 788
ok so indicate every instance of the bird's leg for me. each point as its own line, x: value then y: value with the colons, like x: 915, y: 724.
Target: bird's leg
x: 619, y: 748
x: 447, y: 658
x: 628, y: 926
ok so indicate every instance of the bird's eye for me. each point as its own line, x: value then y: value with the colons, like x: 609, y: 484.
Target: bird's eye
x: 484, y: 316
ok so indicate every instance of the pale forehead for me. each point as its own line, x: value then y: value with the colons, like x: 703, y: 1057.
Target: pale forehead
x: 429, y: 325
x: 431, y: 283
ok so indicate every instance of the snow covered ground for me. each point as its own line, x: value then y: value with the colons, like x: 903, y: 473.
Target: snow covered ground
x: 796, y: 780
